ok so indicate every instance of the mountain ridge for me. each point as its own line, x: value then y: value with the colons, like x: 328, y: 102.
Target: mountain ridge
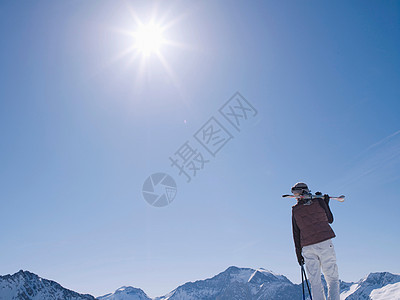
x: 26, y: 285
x: 234, y: 283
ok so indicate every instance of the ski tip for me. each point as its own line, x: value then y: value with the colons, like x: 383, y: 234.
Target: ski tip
x: 341, y: 198
x: 285, y: 196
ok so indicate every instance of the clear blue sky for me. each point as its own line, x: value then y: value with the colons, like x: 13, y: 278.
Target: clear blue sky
x: 82, y: 127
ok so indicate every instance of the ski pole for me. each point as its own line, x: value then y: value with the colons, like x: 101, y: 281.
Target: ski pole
x: 302, y: 283
x: 339, y: 198
x: 305, y: 276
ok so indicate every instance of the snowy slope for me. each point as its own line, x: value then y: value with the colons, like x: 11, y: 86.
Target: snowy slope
x: 26, y: 285
x: 377, y: 285
x: 388, y: 292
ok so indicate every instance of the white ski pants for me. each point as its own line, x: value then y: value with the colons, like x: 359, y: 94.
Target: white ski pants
x: 317, y: 256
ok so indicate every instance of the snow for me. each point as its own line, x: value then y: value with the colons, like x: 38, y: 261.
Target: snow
x: 352, y: 289
x: 388, y: 292
x: 262, y: 270
x: 242, y: 276
x: 126, y: 293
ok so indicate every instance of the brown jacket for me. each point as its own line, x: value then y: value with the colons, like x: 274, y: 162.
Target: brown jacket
x: 310, y: 220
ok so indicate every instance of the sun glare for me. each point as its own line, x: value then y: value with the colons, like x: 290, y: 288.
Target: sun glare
x: 148, y: 39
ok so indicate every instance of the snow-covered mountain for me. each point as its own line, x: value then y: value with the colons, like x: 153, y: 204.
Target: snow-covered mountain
x: 25, y: 285
x: 234, y: 284
x: 237, y: 283
x: 382, y: 286
x: 126, y: 293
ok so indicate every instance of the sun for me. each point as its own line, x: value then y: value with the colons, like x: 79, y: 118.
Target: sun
x: 149, y: 38
x: 145, y: 43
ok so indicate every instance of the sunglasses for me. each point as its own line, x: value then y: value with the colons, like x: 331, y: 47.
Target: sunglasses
x: 297, y: 191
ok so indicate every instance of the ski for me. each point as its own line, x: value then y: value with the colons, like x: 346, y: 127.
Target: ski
x: 340, y: 198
